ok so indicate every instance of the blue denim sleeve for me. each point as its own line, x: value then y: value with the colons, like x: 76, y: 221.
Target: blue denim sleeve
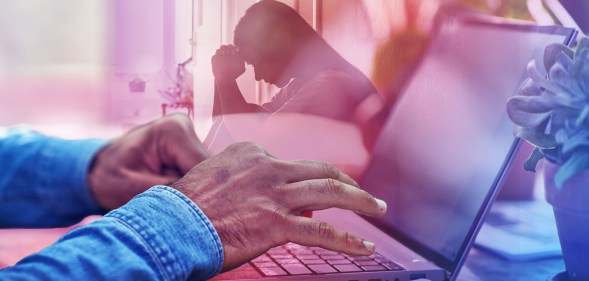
x: 43, y: 179
x: 159, y: 235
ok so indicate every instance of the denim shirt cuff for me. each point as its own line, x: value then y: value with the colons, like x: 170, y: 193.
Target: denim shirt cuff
x: 73, y: 157
x: 179, y: 237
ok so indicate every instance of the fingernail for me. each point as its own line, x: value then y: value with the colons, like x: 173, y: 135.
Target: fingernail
x: 382, y: 205
x: 369, y: 246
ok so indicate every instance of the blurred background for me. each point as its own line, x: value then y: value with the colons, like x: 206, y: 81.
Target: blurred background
x: 95, y: 67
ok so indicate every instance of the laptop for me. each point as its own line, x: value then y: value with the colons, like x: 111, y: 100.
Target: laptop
x: 438, y: 162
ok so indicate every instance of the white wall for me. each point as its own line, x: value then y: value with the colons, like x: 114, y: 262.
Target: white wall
x: 52, y: 56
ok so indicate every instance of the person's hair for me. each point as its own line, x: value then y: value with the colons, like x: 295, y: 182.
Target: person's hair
x: 273, y: 30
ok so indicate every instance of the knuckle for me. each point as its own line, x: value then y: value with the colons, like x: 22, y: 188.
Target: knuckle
x: 349, y: 240
x: 324, y: 231
x: 238, y: 148
x: 260, y: 161
x: 247, y: 148
x: 270, y: 186
x: 330, y: 170
x: 174, y: 123
x: 334, y: 187
x: 279, y: 222
x: 236, y: 145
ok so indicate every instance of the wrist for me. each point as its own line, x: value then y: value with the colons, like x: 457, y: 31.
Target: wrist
x: 75, y: 160
x: 94, y: 174
x: 156, y: 215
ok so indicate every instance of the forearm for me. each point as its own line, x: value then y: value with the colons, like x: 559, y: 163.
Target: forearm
x: 231, y: 99
x: 159, y: 235
x: 217, y: 109
x: 43, y: 179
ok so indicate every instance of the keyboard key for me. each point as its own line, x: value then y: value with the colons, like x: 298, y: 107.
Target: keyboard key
x: 361, y: 258
x: 300, y: 249
x: 277, y: 250
x: 381, y: 259
x: 287, y: 261
x: 344, y: 261
x: 314, y: 261
x: 322, y: 268
x: 374, y: 268
x: 362, y: 263
x: 273, y: 271
x: 307, y: 256
x: 262, y: 258
x: 281, y: 256
x: 265, y: 264
x: 324, y: 252
x: 294, y: 247
x: 347, y: 268
x: 296, y: 269
x: 302, y: 252
x: 392, y: 266
x: 335, y: 257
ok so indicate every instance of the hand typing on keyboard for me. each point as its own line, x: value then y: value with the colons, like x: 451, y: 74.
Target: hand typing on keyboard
x: 255, y: 201
x: 293, y: 259
x: 155, y: 153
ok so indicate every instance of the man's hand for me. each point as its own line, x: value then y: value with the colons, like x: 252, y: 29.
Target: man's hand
x: 227, y: 65
x: 152, y: 154
x: 255, y: 201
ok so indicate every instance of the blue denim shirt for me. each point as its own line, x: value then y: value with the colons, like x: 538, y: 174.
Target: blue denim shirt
x: 159, y: 235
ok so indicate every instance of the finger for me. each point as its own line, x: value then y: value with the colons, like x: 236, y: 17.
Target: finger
x: 232, y: 50
x: 320, y: 194
x: 314, y: 233
x: 144, y: 180
x: 185, y: 150
x: 180, y: 147
x: 188, y: 153
x: 301, y: 170
x: 225, y: 48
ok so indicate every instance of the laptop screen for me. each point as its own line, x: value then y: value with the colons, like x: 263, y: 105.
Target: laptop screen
x: 446, y: 143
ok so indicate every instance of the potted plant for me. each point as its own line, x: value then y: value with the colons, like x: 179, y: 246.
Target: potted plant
x: 551, y: 111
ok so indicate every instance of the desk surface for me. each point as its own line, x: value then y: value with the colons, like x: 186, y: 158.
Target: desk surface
x: 480, y: 266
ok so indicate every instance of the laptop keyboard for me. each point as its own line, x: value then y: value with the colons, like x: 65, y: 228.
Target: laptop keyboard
x: 293, y: 259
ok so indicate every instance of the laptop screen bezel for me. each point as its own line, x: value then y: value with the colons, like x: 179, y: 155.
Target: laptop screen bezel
x: 452, y: 266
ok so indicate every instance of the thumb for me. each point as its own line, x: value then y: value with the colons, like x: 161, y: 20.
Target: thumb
x: 143, y: 181
x: 185, y: 153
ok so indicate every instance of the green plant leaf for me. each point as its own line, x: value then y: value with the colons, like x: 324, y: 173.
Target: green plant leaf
x: 581, y: 138
x: 582, y: 116
x: 528, y: 88
x: 552, y: 154
x: 564, y: 60
x: 535, y: 136
x: 552, y: 51
x: 532, y: 161
x: 528, y: 111
x: 583, y: 44
x: 575, y: 164
x: 535, y: 73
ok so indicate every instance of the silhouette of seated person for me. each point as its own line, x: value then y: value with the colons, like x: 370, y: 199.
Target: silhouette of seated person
x: 285, y: 50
